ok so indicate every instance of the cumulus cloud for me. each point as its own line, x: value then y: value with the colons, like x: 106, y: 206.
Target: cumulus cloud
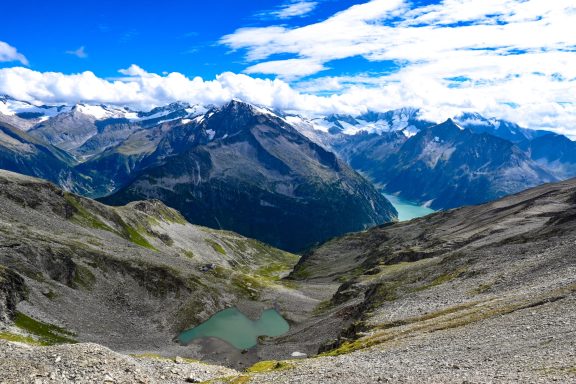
x: 141, y: 89
x: 536, y: 103
x: 9, y: 53
x: 80, y: 53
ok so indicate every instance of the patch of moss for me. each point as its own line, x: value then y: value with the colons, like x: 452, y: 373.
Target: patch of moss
x: 385, y: 291
x: 269, y: 365
x: 242, y: 379
x: 300, y: 273
x: 480, y: 289
x: 19, y: 338
x: 155, y: 356
x: 136, y: 237
x: 273, y: 270
x: 48, y: 334
x: 240, y: 245
x: 188, y: 253
x: 322, y: 307
x: 216, y: 246
x: 247, y: 285
x: 34, y: 275
x: 50, y: 294
x: 570, y: 371
x: 83, y: 216
x: 94, y: 242
x: 170, y: 215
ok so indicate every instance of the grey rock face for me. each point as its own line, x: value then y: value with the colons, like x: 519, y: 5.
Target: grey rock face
x: 554, y: 152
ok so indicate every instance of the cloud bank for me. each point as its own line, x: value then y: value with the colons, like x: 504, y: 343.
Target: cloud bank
x: 535, y: 107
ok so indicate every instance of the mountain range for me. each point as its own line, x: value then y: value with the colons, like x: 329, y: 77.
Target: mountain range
x: 468, y: 159
x: 238, y: 167
x: 273, y: 175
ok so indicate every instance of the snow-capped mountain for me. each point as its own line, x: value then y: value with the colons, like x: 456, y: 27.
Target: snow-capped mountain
x: 110, y: 144
x: 242, y: 167
x: 88, y: 130
x: 496, y: 127
x: 25, y: 115
x: 325, y: 129
x: 23, y: 109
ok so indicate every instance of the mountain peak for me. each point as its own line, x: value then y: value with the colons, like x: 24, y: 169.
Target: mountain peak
x: 236, y: 106
x: 449, y: 123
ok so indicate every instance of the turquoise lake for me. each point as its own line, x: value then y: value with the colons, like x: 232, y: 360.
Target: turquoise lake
x: 234, y: 327
x: 408, y: 210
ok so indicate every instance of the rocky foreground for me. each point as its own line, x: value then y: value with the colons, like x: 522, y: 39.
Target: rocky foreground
x: 481, y: 294
x: 529, y: 345
x: 92, y: 363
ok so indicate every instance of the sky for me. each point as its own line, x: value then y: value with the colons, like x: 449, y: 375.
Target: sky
x: 511, y: 59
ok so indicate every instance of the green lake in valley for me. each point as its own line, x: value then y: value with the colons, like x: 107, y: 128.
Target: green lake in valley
x: 234, y: 327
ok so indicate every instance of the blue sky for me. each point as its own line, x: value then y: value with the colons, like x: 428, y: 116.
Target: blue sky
x: 167, y: 36
x: 511, y: 59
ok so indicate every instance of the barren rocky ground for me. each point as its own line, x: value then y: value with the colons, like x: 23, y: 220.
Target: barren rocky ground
x: 482, y: 294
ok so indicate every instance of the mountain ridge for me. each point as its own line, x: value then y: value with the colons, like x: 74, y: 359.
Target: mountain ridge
x: 242, y: 150
x: 114, y: 146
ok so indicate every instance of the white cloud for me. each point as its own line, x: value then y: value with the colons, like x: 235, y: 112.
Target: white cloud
x: 142, y: 89
x: 9, y: 53
x: 422, y: 34
x: 287, y: 69
x: 80, y: 53
x: 295, y: 8
x: 513, y: 59
x: 537, y: 100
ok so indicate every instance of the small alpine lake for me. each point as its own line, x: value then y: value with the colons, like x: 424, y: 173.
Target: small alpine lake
x: 235, y: 328
x: 408, y: 210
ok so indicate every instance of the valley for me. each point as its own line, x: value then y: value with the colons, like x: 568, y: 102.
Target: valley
x: 288, y: 192
x: 271, y: 246
x: 462, y: 278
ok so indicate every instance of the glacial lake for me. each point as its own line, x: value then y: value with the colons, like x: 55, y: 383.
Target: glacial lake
x: 408, y: 210
x: 234, y: 327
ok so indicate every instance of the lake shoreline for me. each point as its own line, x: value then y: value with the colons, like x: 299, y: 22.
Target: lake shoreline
x: 407, y: 210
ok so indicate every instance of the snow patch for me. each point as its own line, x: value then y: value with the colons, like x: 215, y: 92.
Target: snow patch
x: 11, y: 107
x: 99, y: 112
